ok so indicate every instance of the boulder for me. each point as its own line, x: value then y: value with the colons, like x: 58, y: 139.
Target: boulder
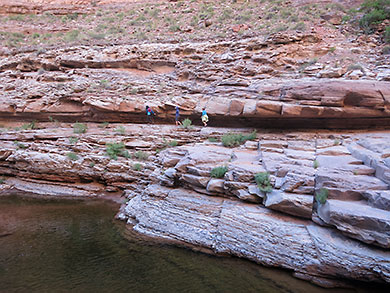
x: 299, y: 205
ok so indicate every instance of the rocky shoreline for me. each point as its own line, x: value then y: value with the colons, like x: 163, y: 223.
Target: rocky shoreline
x: 72, y: 114
x: 171, y: 195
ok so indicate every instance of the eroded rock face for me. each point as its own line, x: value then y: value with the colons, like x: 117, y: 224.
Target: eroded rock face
x: 251, y: 231
x: 115, y: 83
x: 172, y: 195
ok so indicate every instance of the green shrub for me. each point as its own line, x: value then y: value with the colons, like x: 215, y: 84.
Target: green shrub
x: 2, y: 180
x: 186, y: 123
x: 386, y: 35
x: 103, y: 125
x: 322, y: 195
x: 31, y: 125
x: 137, y: 167
x: 263, y: 182
x: 173, y: 143
x: 386, y: 50
x: 316, y: 164
x: 218, y: 172
x: 236, y: 139
x: 375, y: 11
x: 79, y: 128
x: 20, y: 145
x: 121, y: 130
x: 213, y: 139
x: 73, y: 139
x: 140, y: 155
x: 72, y: 156
x: 92, y: 164
x: 114, y: 150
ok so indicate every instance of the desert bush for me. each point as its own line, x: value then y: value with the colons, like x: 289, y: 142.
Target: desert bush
x: 386, y: 35
x: 263, y: 182
x: 114, y: 150
x: 173, y: 143
x: 2, y: 180
x: 316, y: 164
x: 28, y: 126
x: 186, y: 123
x: 375, y: 11
x: 79, y: 128
x: 218, y: 172
x: 386, y: 50
x: 20, y: 145
x: 72, y: 156
x: 121, y: 130
x: 140, y: 155
x: 236, y: 139
x: 213, y: 139
x: 322, y: 195
x: 73, y: 139
x: 137, y: 167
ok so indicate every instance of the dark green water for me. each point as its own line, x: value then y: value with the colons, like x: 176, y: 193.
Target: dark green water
x: 62, y: 246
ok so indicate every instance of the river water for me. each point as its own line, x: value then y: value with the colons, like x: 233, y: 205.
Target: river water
x: 69, y: 245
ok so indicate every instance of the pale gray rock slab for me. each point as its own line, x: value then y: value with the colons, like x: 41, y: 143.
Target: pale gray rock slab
x: 258, y: 234
x: 195, y: 180
x: 337, y: 150
x: 347, y: 181
x: 299, y: 155
x: 332, y: 162
x: 244, y: 195
x: 358, y: 220
x: 378, y: 199
x: 300, y: 205
x: 276, y: 144
x: 215, y: 185
x: 297, y: 184
x: 344, y: 257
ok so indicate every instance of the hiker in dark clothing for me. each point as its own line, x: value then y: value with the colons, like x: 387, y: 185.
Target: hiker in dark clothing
x: 177, y: 116
x: 149, y: 114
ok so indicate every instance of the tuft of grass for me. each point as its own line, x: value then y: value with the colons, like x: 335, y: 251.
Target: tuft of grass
x: 29, y: 126
x: 114, y: 150
x: 79, y: 128
x: 73, y: 139
x: 103, y: 125
x: 72, y: 156
x: 140, y: 155
x: 121, y: 130
x: 186, y: 123
x: 263, y: 182
x: 316, y: 164
x: 19, y: 145
x: 386, y: 50
x: 218, y: 172
x: 236, y: 139
x: 137, y: 167
x: 322, y: 195
x: 386, y: 34
x: 213, y: 139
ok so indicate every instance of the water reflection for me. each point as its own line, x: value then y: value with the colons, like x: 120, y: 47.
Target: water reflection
x: 51, y: 246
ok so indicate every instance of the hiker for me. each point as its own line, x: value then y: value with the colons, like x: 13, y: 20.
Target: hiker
x: 204, y: 117
x: 149, y: 114
x: 177, y: 116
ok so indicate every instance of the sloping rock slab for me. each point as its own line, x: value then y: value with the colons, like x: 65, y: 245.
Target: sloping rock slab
x: 299, y: 205
x: 358, y: 220
x: 251, y: 231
